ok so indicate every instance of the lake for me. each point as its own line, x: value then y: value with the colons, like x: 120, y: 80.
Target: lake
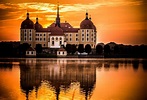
x: 73, y: 79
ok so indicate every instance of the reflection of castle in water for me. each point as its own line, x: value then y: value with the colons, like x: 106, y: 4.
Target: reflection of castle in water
x: 58, y: 73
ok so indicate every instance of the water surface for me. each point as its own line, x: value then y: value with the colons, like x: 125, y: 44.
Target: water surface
x: 73, y: 79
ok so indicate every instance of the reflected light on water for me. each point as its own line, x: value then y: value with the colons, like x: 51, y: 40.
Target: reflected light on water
x: 73, y: 79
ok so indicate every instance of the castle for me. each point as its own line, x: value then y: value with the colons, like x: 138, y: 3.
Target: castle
x: 58, y: 33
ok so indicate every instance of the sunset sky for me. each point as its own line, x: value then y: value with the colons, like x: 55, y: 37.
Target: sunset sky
x: 120, y: 21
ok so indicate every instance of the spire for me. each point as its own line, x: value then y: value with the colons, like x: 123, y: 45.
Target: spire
x: 90, y: 17
x: 86, y: 15
x: 27, y: 15
x: 58, y: 17
x: 37, y: 19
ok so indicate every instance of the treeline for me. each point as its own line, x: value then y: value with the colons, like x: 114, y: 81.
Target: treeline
x: 15, y: 49
x: 110, y: 50
x: 125, y: 51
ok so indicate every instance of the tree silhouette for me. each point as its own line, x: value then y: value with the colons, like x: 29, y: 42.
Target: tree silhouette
x: 81, y: 48
x: 107, y: 49
x: 88, y: 48
x: 99, y: 49
x: 116, y: 49
x: 38, y: 48
x: 6, y: 49
x: 73, y: 48
x: 23, y: 48
x: 68, y: 48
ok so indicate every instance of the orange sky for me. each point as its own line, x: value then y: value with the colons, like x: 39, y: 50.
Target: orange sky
x: 120, y: 21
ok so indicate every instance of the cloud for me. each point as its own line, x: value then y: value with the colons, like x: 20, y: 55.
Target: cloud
x: 7, y: 9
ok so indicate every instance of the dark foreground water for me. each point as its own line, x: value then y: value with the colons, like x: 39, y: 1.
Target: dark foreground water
x: 73, y: 79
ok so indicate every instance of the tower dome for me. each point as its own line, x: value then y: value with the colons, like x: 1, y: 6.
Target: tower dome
x: 27, y: 23
x: 37, y: 25
x: 86, y: 23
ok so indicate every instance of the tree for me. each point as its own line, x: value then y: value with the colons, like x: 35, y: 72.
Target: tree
x: 68, y: 48
x: 88, y: 48
x: 6, y: 49
x: 38, y: 48
x: 23, y: 48
x: 73, y: 48
x: 106, y: 49
x: 99, y: 49
x: 116, y: 49
x: 81, y: 48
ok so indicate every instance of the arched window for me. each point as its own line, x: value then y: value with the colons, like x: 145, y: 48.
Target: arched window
x: 60, y: 38
x: 52, y: 38
x: 60, y: 42
x: 56, y: 38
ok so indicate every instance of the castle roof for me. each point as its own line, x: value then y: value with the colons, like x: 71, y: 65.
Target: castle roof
x: 27, y: 23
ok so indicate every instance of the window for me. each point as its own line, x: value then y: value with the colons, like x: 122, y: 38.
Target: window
x: 87, y: 31
x: 44, y: 45
x: 82, y: 34
x: 87, y: 34
x: 56, y: 39
x: 25, y: 34
x: 76, y: 34
x: 91, y: 45
x: 70, y: 39
x: 87, y: 39
x: 60, y: 42
x: 66, y: 34
x: 25, y: 30
x: 25, y: 39
x: 70, y: 34
x: 27, y: 52
x: 66, y: 39
x: 52, y: 43
x: 30, y: 30
x: 32, y: 52
x: 40, y: 39
x: 76, y: 39
x: 63, y: 52
x: 60, y: 38
x: 44, y: 34
x: 30, y: 34
x: 40, y: 34
x: 82, y: 39
x: 82, y: 30
x: 44, y: 39
x: 52, y: 38
x: 59, y: 52
x: 30, y: 39
x: 91, y: 34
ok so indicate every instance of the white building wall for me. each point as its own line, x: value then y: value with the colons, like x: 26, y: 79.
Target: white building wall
x: 61, y: 53
x: 30, y: 53
x: 55, y: 41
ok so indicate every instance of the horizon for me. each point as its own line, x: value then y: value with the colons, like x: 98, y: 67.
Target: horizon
x: 119, y: 21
